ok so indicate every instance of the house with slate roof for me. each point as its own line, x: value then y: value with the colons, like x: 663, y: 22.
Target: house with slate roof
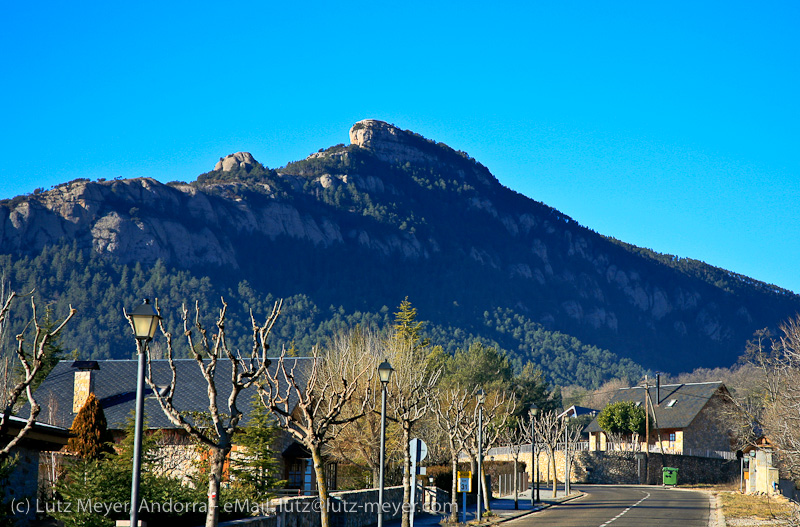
x: 66, y: 388
x: 687, y: 419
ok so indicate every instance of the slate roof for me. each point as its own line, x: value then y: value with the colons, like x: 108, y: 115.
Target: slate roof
x: 689, y: 400
x: 115, y: 387
x: 41, y: 436
x: 578, y: 411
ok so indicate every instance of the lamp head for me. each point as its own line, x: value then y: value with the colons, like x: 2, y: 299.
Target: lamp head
x: 534, y: 409
x: 481, y: 395
x: 145, y: 321
x: 385, y: 371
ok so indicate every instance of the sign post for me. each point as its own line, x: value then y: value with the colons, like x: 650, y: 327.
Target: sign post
x: 419, y: 451
x: 464, y: 486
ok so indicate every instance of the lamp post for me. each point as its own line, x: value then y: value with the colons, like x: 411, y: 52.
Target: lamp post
x: 384, y: 373
x: 534, y: 456
x: 144, y: 320
x: 566, y: 456
x: 481, y: 396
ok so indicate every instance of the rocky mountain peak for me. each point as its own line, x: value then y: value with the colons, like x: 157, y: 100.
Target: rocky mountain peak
x: 393, y: 145
x: 390, y: 143
x: 370, y: 132
x: 243, y: 160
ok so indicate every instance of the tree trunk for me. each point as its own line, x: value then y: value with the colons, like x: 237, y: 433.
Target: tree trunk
x: 484, y: 492
x: 376, y: 476
x: 555, y: 474
x: 534, y: 471
x: 406, y: 520
x: 216, y: 460
x: 516, y: 482
x: 454, y: 489
x: 322, y: 487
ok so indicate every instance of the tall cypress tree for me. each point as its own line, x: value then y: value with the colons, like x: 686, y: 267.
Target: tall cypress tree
x: 91, y: 437
x: 406, y: 326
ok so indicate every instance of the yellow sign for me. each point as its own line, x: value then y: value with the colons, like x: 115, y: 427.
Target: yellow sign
x: 465, y: 481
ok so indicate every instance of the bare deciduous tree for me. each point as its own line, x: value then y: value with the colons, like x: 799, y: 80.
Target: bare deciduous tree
x: 513, y: 436
x: 31, y: 361
x: 451, y: 414
x: 573, y: 437
x: 780, y: 417
x: 497, y: 409
x: 309, y: 403
x: 600, y: 397
x: 359, y: 443
x: 207, y: 351
x: 549, y: 430
x: 411, y: 389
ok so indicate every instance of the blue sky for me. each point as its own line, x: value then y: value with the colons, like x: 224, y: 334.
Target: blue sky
x: 674, y: 126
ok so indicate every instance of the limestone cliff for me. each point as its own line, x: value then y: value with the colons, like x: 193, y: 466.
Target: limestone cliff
x: 395, y: 214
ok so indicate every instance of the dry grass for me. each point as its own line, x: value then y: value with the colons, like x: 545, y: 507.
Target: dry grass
x: 740, y: 506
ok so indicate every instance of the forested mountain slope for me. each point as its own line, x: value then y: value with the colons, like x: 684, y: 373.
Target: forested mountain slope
x: 350, y: 231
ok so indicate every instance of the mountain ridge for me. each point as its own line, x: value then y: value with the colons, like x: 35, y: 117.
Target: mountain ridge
x: 437, y: 222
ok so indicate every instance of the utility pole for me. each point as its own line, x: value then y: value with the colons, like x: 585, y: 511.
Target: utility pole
x: 647, y: 432
x: 658, y: 430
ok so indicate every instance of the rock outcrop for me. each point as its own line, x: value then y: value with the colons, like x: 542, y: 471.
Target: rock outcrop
x: 143, y: 220
x: 393, y: 145
x: 231, y: 162
x: 387, y: 142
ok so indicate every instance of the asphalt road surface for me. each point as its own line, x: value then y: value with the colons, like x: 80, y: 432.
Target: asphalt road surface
x: 618, y: 506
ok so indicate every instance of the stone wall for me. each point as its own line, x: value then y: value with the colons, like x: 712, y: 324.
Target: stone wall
x: 621, y: 468
x: 22, y: 482
x: 356, y: 508
x: 606, y: 467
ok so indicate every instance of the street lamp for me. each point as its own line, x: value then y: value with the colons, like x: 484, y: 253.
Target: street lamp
x: 481, y: 396
x: 534, y: 410
x: 144, y: 320
x: 566, y: 456
x: 384, y: 373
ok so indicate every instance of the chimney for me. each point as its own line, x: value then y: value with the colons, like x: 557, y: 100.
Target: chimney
x: 84, y: 382
x: 658, y: 388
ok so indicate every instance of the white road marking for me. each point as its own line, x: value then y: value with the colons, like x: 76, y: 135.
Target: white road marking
x: 618, y: 516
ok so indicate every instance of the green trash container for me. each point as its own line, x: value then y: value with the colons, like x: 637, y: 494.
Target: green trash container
x: 670, y: 475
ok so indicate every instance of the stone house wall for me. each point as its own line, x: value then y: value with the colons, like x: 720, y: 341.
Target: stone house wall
x: 706, y: 432
x: 23, y: 482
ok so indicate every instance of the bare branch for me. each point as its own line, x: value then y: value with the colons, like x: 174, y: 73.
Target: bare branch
x: 206, y: 354
x: 314, y: 404
x: 31, y: 365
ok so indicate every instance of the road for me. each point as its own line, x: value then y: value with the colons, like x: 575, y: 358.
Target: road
x: 618, y: 506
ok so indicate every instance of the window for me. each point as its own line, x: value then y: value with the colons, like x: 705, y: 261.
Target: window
x: 672, y: 403
x: 295, y: 474
x: 672, y: 438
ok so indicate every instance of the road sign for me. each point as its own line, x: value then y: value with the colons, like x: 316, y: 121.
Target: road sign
x: 418, y: 444
x: 464, y: 487
x: 418, y: 450
x: 465, y: 481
